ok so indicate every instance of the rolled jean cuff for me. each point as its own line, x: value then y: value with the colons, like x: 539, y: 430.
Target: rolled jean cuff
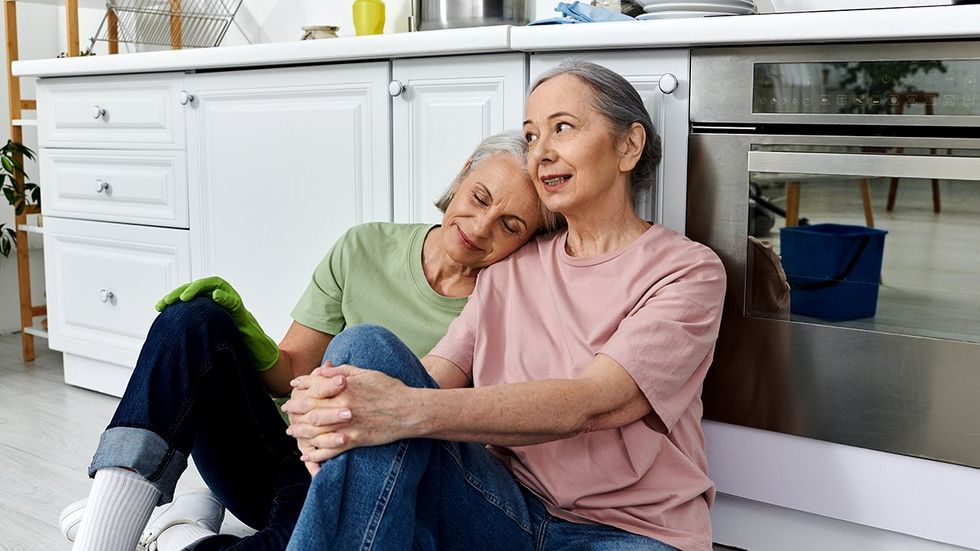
x: 142, y: 451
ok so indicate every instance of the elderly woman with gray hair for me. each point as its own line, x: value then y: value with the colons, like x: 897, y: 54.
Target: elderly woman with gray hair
x: 202, y: 383
x: 578, y: 360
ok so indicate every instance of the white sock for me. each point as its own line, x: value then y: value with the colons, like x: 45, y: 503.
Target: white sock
x: 119, y: 506
x: 177, y: 537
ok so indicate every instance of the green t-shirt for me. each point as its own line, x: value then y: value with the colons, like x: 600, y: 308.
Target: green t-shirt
x: 373, y: 274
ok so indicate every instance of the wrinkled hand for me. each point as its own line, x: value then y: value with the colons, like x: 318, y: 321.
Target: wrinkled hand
x: 303, y: 402
x: 335, y: 409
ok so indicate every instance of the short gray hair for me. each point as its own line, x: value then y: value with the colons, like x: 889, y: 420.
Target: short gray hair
x: 619, y: 102
x: 510, y: 143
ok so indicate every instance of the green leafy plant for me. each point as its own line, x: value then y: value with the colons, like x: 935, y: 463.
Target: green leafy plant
x: 10, y: 168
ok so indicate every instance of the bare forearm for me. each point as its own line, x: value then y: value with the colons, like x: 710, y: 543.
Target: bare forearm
x: 509, y: 415
x: 299, y: 353
x: 277, y: 378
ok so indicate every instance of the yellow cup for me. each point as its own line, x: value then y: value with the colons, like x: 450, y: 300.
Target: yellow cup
x: 369, y: 17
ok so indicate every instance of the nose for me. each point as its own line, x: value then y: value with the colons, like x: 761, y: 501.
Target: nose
x: 541, y: 152
x: 483, y: 224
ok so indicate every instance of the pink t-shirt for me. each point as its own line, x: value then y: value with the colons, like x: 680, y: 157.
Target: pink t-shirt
x: 654, y: 307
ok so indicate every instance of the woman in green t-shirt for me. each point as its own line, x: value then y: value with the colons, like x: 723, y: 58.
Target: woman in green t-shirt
x: 202, y: 381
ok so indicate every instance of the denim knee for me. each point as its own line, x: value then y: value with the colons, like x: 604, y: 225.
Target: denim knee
x: 376, y: 348
x: 191, y: 316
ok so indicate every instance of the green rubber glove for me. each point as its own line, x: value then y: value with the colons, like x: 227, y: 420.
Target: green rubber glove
x: 264, y: 350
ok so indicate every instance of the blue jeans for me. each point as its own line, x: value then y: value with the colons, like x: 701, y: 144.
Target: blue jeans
x: 426, y: 494
x: 195, y: 392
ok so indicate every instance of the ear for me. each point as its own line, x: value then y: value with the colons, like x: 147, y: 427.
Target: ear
x: 631, y: 147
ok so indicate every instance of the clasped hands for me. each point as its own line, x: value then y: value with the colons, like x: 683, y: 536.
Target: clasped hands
x: 335, y: 409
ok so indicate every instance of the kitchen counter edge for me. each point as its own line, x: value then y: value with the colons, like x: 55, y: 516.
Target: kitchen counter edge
x: 873, y: 25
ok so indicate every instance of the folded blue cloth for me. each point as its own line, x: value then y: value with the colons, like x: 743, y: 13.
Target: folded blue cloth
x: 579, y: 12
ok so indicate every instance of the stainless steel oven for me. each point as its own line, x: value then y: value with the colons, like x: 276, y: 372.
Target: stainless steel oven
x: 840, y: 185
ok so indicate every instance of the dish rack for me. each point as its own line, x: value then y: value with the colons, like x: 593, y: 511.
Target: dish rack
x: 174, y: 23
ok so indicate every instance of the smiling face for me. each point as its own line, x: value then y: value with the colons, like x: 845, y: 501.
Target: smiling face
x: 494, y: 210
x: 574, y: 156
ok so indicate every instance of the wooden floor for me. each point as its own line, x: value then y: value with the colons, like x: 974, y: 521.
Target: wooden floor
x: 48, y: 433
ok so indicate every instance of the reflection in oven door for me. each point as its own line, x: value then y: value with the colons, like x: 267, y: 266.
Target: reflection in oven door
x: 852, y: 313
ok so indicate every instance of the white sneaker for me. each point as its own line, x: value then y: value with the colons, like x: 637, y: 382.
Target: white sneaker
x: 71, y: 518
x: 190, y: 507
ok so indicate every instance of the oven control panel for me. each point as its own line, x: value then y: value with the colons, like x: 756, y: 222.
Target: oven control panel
x: 894, y: 87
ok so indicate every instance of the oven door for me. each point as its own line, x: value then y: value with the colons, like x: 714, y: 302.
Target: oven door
x: 853, y: 306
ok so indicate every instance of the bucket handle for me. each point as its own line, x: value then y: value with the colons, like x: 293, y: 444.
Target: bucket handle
x: 839, y: 278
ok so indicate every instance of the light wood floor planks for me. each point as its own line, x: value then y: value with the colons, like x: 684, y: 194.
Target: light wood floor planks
x: 48, y: 433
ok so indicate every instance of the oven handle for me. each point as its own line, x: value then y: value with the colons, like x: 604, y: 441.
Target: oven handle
x: 841, y: 164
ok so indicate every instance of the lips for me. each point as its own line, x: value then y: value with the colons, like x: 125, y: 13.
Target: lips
x: 555, y: 182
x: 465, y: 241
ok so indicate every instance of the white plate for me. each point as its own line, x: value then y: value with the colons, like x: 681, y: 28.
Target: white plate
x: 706, y: 5
x: 733, y: 3
x: 681, y: 14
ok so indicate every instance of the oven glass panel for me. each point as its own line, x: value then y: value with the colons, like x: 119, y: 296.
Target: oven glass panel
x: 893, y: 254
x: 922, y: 87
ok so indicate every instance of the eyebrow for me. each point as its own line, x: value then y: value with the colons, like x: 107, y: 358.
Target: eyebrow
x: 554, y: 116
x: 487, y: 191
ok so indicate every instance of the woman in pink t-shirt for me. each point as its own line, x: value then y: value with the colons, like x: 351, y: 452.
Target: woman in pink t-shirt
x: 579, y: 361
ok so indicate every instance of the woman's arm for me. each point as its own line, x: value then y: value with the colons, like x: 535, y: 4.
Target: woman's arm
x: 300, y: 352
x: 603, y: 396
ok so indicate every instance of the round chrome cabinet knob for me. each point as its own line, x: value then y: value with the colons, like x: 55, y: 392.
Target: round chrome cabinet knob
x: 668, y: 83
x: 395, y: 88
x: 101, y: 185
x: 98, y: 112
x: 106, y: 295
x: 185, y: 97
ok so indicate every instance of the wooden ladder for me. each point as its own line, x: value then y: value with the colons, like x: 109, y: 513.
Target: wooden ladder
x: 28, y: 310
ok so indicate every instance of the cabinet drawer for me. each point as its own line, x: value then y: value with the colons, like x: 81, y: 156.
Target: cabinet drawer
x: 140, y: 187
x: 129, y: 112
x: 103, y: 280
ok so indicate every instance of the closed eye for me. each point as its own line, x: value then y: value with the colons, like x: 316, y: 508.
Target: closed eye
x: 511, y: 227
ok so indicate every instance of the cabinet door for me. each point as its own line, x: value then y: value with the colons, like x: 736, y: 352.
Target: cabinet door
x: 103, y: 280
x: 447, y: 106
x: 281, y: 162
x: 666, y: 203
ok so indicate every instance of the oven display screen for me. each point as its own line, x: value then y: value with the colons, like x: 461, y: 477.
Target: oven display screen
x: 921, y: 87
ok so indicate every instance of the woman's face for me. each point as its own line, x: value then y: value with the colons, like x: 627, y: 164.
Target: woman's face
x: 493, y: 212
x: 573, y: 155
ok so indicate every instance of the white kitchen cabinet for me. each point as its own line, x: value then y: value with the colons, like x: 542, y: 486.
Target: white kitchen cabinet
x: 653, y: 73
x: 281, y: 163
x: 103, y: 280
x: 441, y: 109
x: 252, y: 175
x: 113, y: 164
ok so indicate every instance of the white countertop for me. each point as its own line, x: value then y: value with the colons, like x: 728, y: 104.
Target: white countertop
x: 939, y: 22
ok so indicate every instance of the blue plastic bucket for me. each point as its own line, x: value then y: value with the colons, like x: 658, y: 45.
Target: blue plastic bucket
x: 834, y: 270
